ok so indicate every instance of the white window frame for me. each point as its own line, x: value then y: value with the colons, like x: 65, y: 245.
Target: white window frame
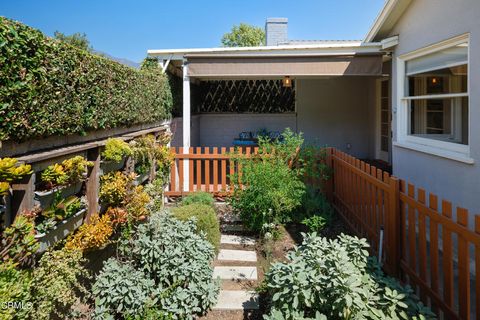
x: 451, y: 150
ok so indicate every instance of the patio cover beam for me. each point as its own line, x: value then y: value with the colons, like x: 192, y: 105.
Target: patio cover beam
x: 186, y: 124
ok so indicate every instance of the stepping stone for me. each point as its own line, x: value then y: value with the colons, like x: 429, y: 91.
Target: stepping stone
x: 237, y: 255
x: 238, y: 240
x: 230, y: 217
x: 233, y: 228
x: 235, y: 273
x: 237, y: 300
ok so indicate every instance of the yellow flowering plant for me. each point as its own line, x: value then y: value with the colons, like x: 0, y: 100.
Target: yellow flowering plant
x: 92, y: 235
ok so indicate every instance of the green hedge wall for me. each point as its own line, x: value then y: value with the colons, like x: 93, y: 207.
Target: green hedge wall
x: 51, y: 88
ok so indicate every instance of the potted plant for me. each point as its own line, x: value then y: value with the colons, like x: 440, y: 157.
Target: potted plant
x: 66, y: 177
x: 64, y: 216
x: 114, y: 155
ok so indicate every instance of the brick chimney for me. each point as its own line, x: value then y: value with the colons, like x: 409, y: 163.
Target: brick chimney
x: 276, y: 31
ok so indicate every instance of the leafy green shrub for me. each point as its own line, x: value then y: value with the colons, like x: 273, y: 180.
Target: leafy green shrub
x: 200, y: 197
x: 272, y: 186
x: 316, y: 212
x: 205, y: 219
x: 116, y: 150
x: 335, y: 279
x: 272, y: 192
x: 52, y: 88
x: 171, y: 264
x: 57, y: 284
x: 122, y: 288
x: 315, y: 223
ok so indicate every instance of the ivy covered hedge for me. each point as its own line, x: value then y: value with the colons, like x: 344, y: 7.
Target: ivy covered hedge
x: 48, y: 87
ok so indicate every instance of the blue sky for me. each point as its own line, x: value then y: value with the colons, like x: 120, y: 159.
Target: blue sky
x: 126, y: 29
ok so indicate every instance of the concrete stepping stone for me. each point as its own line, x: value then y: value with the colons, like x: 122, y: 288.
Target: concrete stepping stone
x: 237, y: 240
x: 231, y: 218
x: 237, y: 300
x: 237, y: 255
x: 233, y: 228
x: 235, y: 273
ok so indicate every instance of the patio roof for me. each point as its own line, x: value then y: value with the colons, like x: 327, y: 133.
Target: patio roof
x: 329, y: 58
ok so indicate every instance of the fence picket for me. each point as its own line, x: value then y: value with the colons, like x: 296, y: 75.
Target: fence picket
x: 447, y: 256
x: 463, y: 267
x: 207, y: 170
x: 190, y: 169
x: 477, y: 267
x: 422, y: 242
x: 215, y: 170
x: 412, y: 234
x: 433, y: 204
x: 224, y: 171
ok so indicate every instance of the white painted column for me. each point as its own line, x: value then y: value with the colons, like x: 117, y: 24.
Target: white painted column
x: 186, y: 125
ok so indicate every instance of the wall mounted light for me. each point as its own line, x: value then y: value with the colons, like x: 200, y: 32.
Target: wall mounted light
x: 287, y: 82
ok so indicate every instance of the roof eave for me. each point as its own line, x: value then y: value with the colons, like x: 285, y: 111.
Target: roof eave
x: 389, y: 14
x: 281, y: 50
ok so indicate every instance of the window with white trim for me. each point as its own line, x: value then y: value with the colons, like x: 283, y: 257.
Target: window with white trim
x: 433, y: 88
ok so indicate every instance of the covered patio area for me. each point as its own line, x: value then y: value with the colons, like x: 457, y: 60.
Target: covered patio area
x: 335, y: 93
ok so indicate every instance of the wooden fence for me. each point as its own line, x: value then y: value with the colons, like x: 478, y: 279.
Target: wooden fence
x: 208, y: 169
x: 427, y: 244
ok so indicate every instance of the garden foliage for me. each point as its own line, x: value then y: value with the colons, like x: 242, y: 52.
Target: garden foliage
x: 164, y: 266
x: 199, y: 197
x: 11, y: 171
x: 116, y: 150
x: 48, y: 87
x: 336, y: 279
x: 57, y: 284
x: 205, y: 219
x: 14, y: 286
x: 273, y: 186
x: 17, y: 243
x: 68, y: 172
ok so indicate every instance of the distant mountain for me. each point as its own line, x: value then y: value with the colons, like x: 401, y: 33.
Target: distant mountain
x: 126, y: 62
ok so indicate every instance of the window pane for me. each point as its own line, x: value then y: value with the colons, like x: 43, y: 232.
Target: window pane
x: 440, y: 81
x: 443, y: 59
x: 440, y: 119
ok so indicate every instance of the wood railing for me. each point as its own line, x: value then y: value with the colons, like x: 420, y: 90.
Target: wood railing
x: 424, y: 246
x: 204, y: 169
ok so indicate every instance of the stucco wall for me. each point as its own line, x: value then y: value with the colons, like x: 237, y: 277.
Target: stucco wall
x: 424, y: 23
x: 338, y: 111
x: 219, y: 130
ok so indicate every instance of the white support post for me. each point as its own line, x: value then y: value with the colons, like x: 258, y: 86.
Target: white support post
x: 186, y: 126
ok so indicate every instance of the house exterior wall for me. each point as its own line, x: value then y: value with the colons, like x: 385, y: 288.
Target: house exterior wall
x: 424, y: 23
x: 338, y: 111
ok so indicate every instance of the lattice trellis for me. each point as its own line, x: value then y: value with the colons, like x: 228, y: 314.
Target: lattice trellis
x: 256, y: 96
